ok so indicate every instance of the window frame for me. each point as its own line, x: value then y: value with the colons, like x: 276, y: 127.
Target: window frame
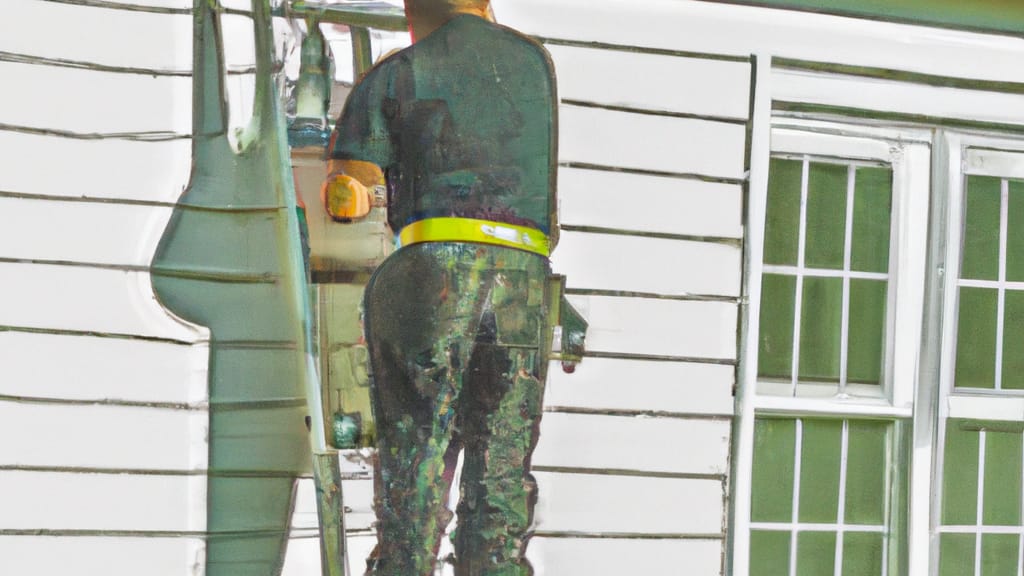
x: 773, y: 84
x: 971, y: 155
x: 967, y: 155
x: 904, y: 150
x: 927, y: 234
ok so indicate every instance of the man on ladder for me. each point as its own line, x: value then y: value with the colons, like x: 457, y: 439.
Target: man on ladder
x: 461, y: 127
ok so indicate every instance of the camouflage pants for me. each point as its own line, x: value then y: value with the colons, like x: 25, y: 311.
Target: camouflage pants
x: 458, y: 349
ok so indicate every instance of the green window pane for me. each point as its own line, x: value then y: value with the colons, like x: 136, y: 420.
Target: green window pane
x: 956, y: 554
x: 819, y: 470
x: 775, y: 349
x: 774, y: 456
x: 862, y: 553
x: 976, y: 338
x: 872, y: 215
x: 1015, y: 233
x: 960, y: 476
x: 866, y: 464
x: 1002, y: 479
x: 826, y: 215
x: 815, y: 553
x: 769, y: 553
x: 1013, y: 341
x: 782, y: 218
x: 980, y: 259
x: 820, y: 322
x: 867, y: 327
x: 999, y: 554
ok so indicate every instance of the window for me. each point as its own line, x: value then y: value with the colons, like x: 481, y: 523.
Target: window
x: 826, y: 275
x: 841, y: 263
x: 981, y: 455
x: 888, y: 406
x: 823, y: 497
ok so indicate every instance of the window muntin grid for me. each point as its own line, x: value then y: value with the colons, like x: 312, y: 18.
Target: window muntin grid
x: 981, y: 529
x: 824, y: 295
x: 990, y: 288
x: 821, y: 498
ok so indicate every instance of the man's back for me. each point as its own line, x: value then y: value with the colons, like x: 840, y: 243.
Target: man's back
x: 469, y: 118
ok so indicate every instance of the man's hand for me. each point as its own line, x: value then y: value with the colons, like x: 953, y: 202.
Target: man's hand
x: 347, y: 192
x: 345, y: 198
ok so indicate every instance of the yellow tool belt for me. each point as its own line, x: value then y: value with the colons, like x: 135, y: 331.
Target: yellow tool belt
x: 472, y: 230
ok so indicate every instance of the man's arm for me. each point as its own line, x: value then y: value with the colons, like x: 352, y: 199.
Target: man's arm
x: 347, y: 191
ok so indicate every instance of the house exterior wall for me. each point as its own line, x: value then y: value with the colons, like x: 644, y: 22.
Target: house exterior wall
x: 644, y: 459
x: 101, y: 391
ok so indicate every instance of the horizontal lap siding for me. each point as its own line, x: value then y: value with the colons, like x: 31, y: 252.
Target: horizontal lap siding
x: 101, y: 233
x: 629, y: 140
x: 649, y: 204
x: 82, y: 299
x: 110, y: 437
x: 610, y: 262
x: 97, y: 502
x: 95, y: 102
x: 161, y: 42
x: 116, y: 169
x: 149, y: 372
x: 177, y: 5
x: 587, y: 504
x: 54, y: 555
x: 633, y: 457
x: 664, y: 328
x: 611, y: 557
x: 633, y: 443
x: 611, y: 385
x: 652, y: 82
x: 104, y: 391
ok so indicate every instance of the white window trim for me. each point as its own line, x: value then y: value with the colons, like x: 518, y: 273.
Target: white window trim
x: 932, y: 403
x: 982, y: 156
x: 985, y: 156
x: 906, y: 151
x: 910, y: 242
x: 909, y: 154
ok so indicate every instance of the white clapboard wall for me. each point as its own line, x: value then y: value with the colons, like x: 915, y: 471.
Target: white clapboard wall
x: 102, y: 392
x: 633, y: 458
x: 634, y: 447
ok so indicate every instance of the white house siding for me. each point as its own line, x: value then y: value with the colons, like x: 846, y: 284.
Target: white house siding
x: 101, y: 392
x: 634, y: 452
x: 633, y: 460
x: 719, y: 28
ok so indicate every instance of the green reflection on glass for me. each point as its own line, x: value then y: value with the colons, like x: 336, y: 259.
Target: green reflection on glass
x: 867, y: 328
x: 862, y: 553
x: 826, y: 215
x: 819, y: 470
x: 820, y: 320
x: 866, y: 471
x: 980, y: 259
x: 1002, y: 479
x: 976, y: 338
x: 782, y: 219
x: 775, y: 348
x: 872, y: 216
x: 960, y: 476
x: 815, y: 553
x: 769, y: 553
x: 1015, y: 232
x: 774, y: 453
x: 956, y: 554
x: 999, y: 554
x: 1013, y: 341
